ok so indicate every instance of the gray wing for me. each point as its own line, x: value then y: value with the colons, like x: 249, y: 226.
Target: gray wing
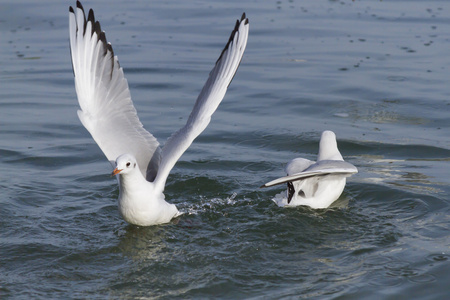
x: 321, y: 168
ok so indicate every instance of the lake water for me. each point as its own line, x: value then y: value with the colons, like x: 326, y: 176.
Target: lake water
x: 374, y: 72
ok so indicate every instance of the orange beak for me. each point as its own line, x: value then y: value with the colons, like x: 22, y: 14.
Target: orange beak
x: 115, y: 172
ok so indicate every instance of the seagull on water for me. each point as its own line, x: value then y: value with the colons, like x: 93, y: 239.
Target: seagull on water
x: 107, y: 112
x: 315, y: 184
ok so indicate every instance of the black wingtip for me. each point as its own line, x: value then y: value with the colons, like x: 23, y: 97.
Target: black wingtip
x: 97, y: 28
x: 95, y: 24
x: 91, y: 18
x: 230, y: 40
x: 109, y: 48
x: 84, y: 16
x: 244, y: 18
x: 102, y: 37
x: 82, y: 9
x: 233, y: 33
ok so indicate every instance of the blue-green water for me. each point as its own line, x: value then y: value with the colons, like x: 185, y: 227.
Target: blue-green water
x: 374, y: 72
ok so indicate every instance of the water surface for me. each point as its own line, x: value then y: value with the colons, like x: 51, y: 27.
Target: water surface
x: 374, y: 72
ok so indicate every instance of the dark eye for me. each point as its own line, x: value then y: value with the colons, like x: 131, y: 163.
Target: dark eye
x: 128, y: 164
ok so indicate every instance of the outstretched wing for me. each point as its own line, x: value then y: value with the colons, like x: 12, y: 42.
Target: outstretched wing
x: 107, y: 111
x: 321, y: 168
x: 207, y: 102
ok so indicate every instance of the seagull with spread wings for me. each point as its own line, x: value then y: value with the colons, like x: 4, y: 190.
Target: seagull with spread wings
x: 107, y: 112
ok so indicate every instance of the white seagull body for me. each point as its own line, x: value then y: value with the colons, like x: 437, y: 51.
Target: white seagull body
x: 315, y: 184
x: 107, y: 112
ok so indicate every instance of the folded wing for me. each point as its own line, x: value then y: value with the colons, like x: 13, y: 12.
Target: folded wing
x: 107, y: 111
x: 207, y: 102
x: 321, y: 168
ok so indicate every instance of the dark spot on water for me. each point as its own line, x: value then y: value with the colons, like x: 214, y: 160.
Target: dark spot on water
x: 438, y: 257
x: 396, y: 78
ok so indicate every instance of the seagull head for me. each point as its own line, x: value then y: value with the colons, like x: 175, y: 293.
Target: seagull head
x: 125, y: 163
